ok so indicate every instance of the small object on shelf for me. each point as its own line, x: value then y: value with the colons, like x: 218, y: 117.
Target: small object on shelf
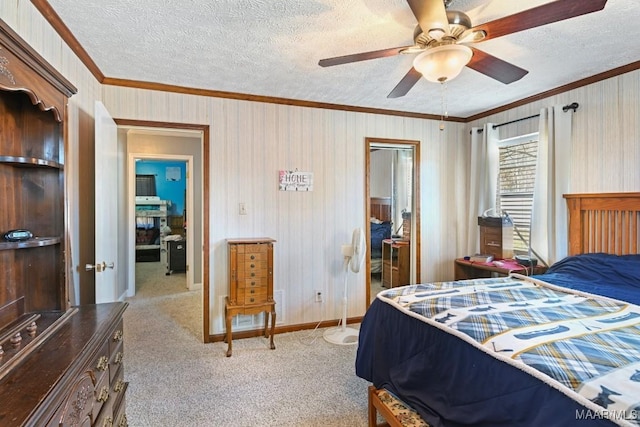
x: 481, y: 258
x: 526, y: 260
x: 18, y: 235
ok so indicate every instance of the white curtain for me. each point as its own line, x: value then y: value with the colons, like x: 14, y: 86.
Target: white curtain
x: 549, y: 215
x: 402, y: 172
x: 483, y: 179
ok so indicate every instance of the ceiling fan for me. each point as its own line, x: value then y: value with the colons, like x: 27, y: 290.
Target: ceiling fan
x: 441, y: 36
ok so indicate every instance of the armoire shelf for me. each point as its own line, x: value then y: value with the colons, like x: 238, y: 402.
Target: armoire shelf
x: 30, y: 162
x: 36, y: 242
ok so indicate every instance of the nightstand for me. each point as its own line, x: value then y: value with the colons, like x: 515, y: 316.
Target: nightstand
x: 475, y: 270
x: 395, y: 262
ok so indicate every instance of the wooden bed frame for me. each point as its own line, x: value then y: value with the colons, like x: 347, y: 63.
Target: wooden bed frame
x: 598, y: 222
x: 604, y: 222
x: 380, y: 208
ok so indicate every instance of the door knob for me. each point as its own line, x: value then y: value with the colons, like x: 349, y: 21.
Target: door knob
x: 99, y: 267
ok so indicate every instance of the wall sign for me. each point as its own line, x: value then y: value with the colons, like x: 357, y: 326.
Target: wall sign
x: 173, y: 173
x: 295, y: 181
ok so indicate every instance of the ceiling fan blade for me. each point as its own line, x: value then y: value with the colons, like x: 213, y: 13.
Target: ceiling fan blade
x: 495, y: 68
x: 431, y: 14
x: 545, y: 14
x: 405, y: 85
x: 363, y: 56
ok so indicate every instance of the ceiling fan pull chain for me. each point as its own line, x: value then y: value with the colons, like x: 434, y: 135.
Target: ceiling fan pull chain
x: 443, y: 98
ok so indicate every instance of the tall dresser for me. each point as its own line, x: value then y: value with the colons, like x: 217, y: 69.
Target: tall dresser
x: 250, y: 283
x: 59, y: 365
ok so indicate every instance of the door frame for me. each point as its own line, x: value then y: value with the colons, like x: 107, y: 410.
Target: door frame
x: 205, y: 150
x: 131, y: 207
x: 415, y: 201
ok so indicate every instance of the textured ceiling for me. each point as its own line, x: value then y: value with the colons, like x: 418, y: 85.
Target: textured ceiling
x: 272, y: 47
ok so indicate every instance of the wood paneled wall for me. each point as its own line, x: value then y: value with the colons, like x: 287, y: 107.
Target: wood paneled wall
x: 251, y: 142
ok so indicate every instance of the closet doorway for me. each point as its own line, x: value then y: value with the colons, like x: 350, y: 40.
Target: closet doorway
x: 393, y: 213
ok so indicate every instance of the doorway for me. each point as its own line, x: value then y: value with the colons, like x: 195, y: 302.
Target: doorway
x: 393, y: 213
x: 183, y: 143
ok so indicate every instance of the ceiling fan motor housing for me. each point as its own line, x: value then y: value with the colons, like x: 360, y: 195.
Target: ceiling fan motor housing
x: 459, y: 22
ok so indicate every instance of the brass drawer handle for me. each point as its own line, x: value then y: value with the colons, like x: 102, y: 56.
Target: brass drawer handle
x: 253, y: 274
x: 253, y: 266
x: 253, y: 291
x: 251, y: 300
x: 103, y: 363
x: 253, y: 257
x: 104, y: 395
x: 253, y: 283
x: 119, y: 386
x: 117, y: 336
x: 119, y: 357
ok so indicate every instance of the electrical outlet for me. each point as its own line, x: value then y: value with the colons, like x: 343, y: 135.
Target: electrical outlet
x: 318, y: 295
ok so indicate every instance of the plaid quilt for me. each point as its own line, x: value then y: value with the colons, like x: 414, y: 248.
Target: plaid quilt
x: 586, y: 346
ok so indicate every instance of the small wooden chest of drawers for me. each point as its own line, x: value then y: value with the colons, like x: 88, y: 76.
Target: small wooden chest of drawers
x: 250, y: 283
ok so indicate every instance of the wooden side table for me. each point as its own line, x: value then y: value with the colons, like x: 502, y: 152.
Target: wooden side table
x: 396, y: 266
x: 250, y: 283
x: 464, y: 269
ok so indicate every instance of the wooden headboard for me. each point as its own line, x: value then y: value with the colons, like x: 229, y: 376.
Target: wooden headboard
x: 381, y: 208
x: 604, y: 222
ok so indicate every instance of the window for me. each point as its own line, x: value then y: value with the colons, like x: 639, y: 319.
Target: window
x: 145, y: 185
x: 516, y: 180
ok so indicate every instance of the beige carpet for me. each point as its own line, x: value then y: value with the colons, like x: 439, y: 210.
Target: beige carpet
x: 175, y: 380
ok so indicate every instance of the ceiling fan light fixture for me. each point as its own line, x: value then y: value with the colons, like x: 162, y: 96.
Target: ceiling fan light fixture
x: 442, y: 63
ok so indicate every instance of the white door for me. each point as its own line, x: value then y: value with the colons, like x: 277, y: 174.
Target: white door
x: 106, y: 205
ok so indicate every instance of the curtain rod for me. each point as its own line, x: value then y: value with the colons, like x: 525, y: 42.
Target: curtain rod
x: 573, y: 106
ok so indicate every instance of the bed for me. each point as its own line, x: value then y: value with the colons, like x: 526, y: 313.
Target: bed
x: 560, y: 349
x: 380, y: 224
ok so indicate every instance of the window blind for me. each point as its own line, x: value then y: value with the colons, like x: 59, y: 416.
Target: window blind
x: 145, y: 185
x: 516, y: 181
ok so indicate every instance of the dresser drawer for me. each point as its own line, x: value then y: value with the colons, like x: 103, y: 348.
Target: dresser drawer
x: 252, y: 295
x: 252, y: 283
x: 253, y: 265
x: 100, y: 369
x: 116, y: 351
x: 116, y: 338
x: 252, y: 273
x: 105, y: 418
x: 118, y: 387
x: 77, y: 407
x: 119, y: 414
x: 253, y: 250
x: 252, y: 256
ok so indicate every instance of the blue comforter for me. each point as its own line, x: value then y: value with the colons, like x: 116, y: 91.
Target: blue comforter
x: 602, y: 274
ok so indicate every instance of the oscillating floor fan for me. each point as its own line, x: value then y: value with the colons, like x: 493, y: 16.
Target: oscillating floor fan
x: 353, y: 259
